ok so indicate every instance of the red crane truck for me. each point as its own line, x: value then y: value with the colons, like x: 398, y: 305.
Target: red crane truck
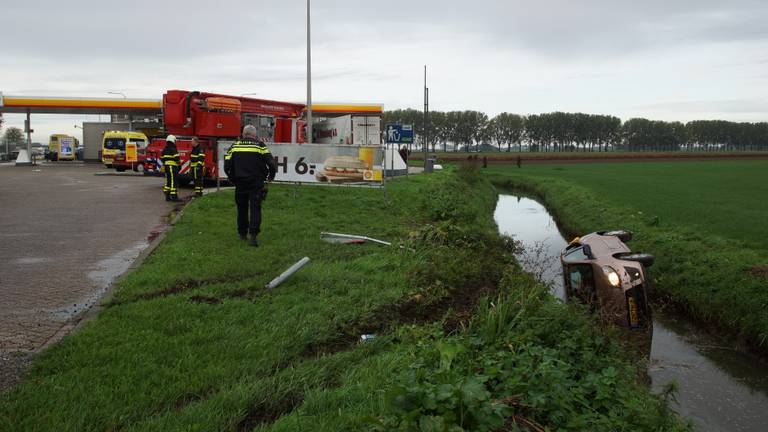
x: 212, y: 118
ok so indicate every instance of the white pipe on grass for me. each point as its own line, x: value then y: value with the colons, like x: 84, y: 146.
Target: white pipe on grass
x: 356, y: 237
x: 286, y: 274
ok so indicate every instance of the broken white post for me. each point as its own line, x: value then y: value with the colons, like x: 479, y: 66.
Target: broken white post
x: 286, y: 274
x: 354, y: 237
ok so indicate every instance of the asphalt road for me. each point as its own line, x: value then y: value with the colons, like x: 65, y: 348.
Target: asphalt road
x: 65, y: 234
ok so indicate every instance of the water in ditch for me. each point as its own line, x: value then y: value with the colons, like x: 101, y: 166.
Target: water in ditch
x: 721, y: 387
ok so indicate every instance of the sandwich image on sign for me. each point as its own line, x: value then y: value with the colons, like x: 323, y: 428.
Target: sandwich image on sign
x: 342, y: 169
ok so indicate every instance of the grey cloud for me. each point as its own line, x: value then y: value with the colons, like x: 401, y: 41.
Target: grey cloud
x: 565, y: 28
x: 178, y: 30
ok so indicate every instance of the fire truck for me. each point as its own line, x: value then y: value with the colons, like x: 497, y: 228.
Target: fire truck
x: 215, y: 118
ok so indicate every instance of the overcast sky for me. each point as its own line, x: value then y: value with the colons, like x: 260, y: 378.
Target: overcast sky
x: 669, y: 60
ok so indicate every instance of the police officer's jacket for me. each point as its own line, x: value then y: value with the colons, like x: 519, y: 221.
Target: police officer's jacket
x: 249, y: 162
x: 170, y: 155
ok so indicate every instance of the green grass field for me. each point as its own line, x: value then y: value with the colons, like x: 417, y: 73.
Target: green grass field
x: 192, y: 342
x: 704, y: 222
x: 723, y: 198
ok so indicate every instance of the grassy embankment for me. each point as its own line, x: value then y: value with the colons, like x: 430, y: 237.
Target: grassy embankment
x: 704, y: 222
x: 191, y: 341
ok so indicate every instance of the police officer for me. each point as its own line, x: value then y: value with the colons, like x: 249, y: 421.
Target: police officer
x: 197, y: 164
x: 248, y: 165
x: 171, y: 163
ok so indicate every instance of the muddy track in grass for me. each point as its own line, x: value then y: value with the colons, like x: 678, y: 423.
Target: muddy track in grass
x: 187, y: 285
x: 269, y: 411
x: 454, y: 310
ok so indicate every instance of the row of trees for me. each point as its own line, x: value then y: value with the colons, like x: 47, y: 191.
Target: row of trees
x: 560, y: 131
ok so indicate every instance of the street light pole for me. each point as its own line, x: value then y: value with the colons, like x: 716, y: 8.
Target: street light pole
x: 29, y: 134
x: 130, y: 116
x: 426, y: 116
x: 309, y: 80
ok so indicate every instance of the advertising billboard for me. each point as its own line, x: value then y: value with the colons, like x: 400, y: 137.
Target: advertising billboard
x: 67, y: 147
x: 322, y: 163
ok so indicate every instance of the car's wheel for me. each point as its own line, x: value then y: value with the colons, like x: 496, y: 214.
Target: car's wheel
x: 120, y: 169
x: 139, y: 168
x: 623, y: 235
x: 643, y: 258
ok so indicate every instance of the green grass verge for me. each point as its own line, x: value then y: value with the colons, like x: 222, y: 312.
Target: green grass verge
x: 191, y: 341
x: 698, y: 219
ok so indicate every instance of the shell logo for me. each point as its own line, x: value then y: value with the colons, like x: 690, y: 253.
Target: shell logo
x: 368, y: 175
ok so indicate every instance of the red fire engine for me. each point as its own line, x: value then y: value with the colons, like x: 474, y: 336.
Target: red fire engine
x: 213, y: 117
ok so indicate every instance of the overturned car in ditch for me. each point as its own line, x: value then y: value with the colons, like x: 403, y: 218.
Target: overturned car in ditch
x: 602, y: 272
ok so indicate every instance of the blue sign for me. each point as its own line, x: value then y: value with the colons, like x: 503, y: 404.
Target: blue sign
x: 399, y: 134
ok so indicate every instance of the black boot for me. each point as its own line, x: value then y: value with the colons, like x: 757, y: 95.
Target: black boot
x: 243, y: 237
x: 253, y: 241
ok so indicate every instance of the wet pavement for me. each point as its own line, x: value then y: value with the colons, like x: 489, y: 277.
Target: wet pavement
x: 65, y: 235
x: 721, y: 386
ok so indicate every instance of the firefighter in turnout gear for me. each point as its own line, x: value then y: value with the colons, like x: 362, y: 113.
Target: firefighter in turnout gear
x: 171, y: 164
x: 249, y: 165
x: 196, y: 164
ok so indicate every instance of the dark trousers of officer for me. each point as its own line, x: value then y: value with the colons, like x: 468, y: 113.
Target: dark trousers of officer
x: 171, y: 182
x: 248, y: 196
x: 197, y: 173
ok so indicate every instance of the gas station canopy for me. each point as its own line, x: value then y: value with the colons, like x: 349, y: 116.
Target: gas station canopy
x: 73, y: 105
x: 347, y: 108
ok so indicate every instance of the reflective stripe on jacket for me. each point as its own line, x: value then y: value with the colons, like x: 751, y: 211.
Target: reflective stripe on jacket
x: 170, y: 155
x: 249, y: 160
x: 196, y: 157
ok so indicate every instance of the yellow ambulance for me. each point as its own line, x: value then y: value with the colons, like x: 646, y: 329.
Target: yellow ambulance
x: 114, y: 143
x: 62, y: 147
